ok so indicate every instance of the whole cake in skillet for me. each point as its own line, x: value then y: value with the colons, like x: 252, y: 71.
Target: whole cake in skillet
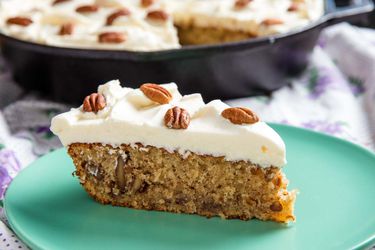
x: 148, y: 25
x: 151, y: 148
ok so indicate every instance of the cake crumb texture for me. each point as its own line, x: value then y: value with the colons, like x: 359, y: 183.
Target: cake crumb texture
x: 150, y: 178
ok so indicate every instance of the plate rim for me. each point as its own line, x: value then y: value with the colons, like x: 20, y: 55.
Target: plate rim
x: 365, y: 243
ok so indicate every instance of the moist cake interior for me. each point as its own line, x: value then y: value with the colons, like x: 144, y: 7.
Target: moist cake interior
x: 154, y: 179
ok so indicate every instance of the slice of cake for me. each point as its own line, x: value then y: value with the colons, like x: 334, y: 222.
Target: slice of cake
x: 151, y: 148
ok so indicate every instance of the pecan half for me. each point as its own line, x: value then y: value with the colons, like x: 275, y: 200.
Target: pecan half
x: 122, y: 12
x: 19, y: 20
x: 156, y: 93
x: 240, y: 115
x: 147, y: 3
x: 59, y: 1
x: 239, y: 4
x: 158, y: 15
x: 272, y: 21
x: 120, y: 173
x: 177, y: 118
x: 66, y: 29
x: 87, y: 9
x: 293, y: 7
x: 94, y: 103
x: 111, y: 37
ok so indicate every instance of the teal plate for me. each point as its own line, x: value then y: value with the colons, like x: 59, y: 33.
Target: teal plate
x: 335, y: 209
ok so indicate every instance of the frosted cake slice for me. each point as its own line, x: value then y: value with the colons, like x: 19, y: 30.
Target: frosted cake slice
x: 152, y: 148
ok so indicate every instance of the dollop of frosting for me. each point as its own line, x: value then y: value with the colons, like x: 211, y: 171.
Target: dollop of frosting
x: 130, y: 117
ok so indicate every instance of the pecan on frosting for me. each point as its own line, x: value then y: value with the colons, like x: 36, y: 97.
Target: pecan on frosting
x: 177, y: 118
x: 239, y: 4
x: 59, y: 1
x: 112, y: 17
x: 158, y: 15
x: 240, y: 115
x: 94, y: 103
x: 87, y: 9
x: 111, y: 37
x: 147, y: 3
x: 66, y: 29
x: 156, y: 93
x: 19, y: 20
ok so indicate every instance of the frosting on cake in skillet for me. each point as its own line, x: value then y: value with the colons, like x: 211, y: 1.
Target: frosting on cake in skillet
x: 258, y: 17
x: 123, y: 25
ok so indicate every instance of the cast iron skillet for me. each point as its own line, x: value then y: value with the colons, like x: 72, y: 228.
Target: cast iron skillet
x: 217, y: 71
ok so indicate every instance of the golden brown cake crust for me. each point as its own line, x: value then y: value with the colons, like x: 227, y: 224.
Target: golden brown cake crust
x: 146, y: 177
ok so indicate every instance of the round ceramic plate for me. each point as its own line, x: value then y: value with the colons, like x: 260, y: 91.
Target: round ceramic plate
x: 48, y: 209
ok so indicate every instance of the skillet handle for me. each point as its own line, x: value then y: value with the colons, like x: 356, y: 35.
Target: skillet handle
x: 347, y: 10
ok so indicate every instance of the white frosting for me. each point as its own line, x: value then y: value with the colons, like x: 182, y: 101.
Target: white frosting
x: 143, y: 34
x: 130, y: 117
